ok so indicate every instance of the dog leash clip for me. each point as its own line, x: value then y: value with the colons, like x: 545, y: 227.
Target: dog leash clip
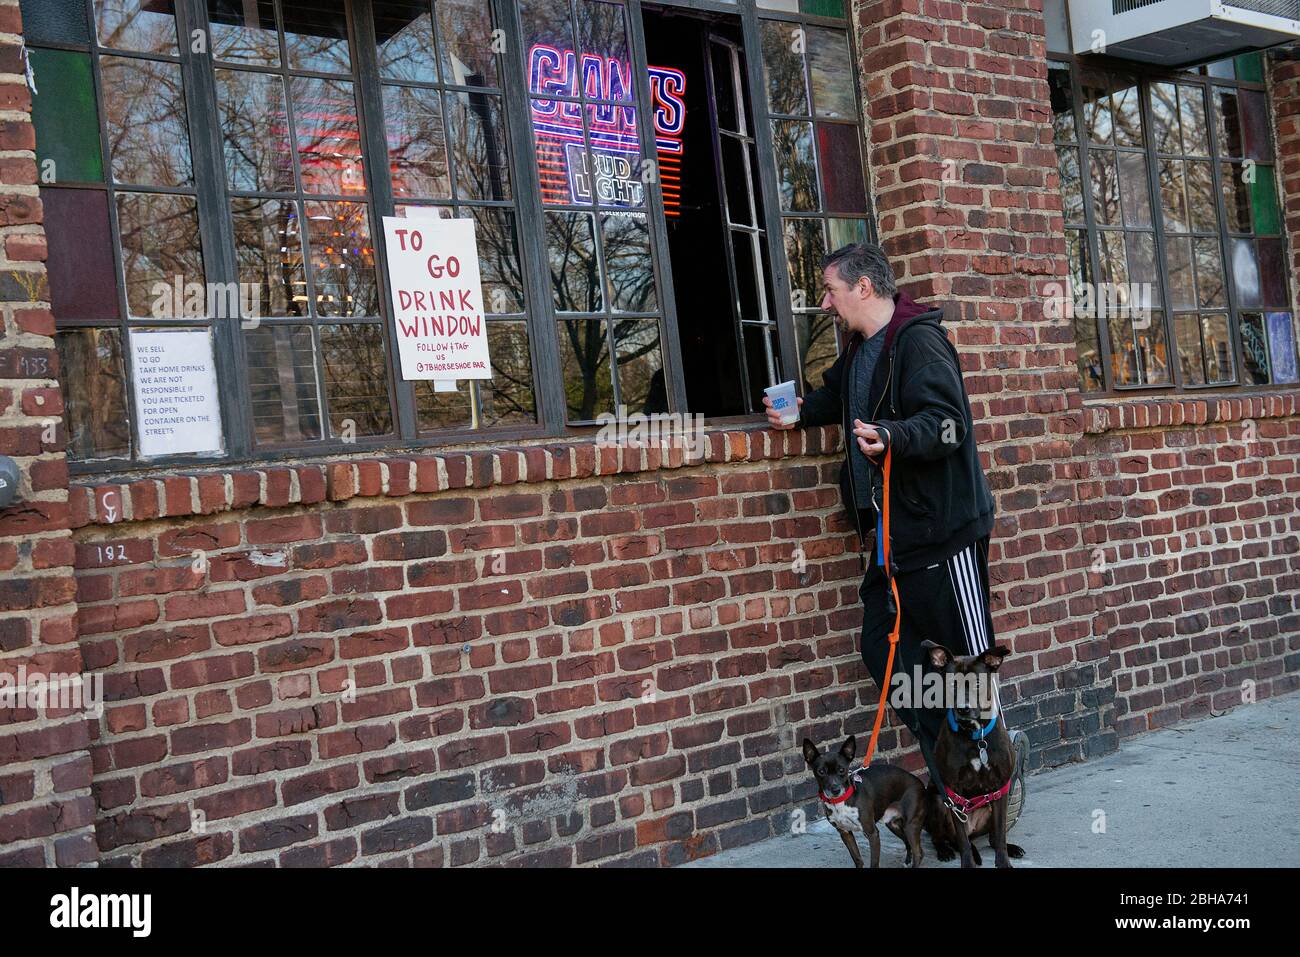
x: 960, y: 814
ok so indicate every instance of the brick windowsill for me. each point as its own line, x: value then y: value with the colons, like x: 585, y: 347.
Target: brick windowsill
x: 205, y: 492
x: 1115, y: 413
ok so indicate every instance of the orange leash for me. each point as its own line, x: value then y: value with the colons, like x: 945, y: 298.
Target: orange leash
x: 898, y: 619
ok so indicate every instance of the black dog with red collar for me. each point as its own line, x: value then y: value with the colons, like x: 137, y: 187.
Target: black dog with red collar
x: 863, y: 798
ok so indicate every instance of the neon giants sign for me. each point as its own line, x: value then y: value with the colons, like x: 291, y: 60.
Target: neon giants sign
x: 615, y: 179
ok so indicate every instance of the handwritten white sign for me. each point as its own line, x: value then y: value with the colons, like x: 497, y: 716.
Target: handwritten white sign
x: 177, y: 407
x: 437, y: 298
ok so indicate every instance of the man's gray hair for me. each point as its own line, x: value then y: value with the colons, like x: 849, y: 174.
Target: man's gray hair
x: 856, y: 260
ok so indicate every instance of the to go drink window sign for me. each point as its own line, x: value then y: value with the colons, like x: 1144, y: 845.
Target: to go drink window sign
x: 437, y: 297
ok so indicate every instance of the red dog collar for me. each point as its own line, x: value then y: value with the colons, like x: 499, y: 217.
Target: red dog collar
x: 839, y: 800
x: 971, y: 804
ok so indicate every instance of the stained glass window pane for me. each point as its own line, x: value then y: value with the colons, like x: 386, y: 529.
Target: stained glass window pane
x: 831, y: 69
x: 65, y: 117
x: 80, y: 266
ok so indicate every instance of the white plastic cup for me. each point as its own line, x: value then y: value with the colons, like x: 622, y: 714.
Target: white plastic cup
x: 784, y: 401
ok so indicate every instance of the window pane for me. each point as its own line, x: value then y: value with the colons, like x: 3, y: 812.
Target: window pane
x: 1058, y: 79
x: 1173, y: 195
x: 839, y: 152
x: 443, y: 411
x: 1135, y: 189
x: 1191, y: 360
x: 1201, y: 207
x: 1085, y: 327
x: 160, y: 243
x: 478, y: 144
x: 794, y: 161
x: 508, y: 396
x: 417, y: 143
x: 1250, y: 67
x: 254, y: 131
x: 145, y: 26
x: 1211, y: 289
x: 499, y: 266
x: 571, y: 245
x: 628, y: 262
x: 1228, y: 118
x: 282, y: 383
x: 268, y: 244
x: 465, y: 37
x: 817, y: 346
x: 1067, y: 160
x: 1124, y: 364
x: 1196, y: 131
x: 842, y: 232
x: 602, y: 33
x: 1105, y: 188
x: 640, y: 365
x: 1263, y: 202
x: 1114, y: 260
x: 1254, y: 347
x: 244, y: 31
x: 1255, y: 123
x: 760, y: 362
x: 1236, y: 196
x: 556, y: 138
x: 1152, y: 349
x: 1098, y: 123
x: 65, y: 117
x: 787, y: 89
x: 832, y: 73
x: 821, y: 8
x: 316, y: 35
x: 329, y: 137
x: 356, y: 379
x: 1164, y: 118
x: 804, y: 250
x: 80, y: 266
x: 94, y: 394
x: 1281, y: 347
x: 1141, y: 248
x: 1178, y: 254
x: 547, y: 22
x: 342, y: 259
x: 1272, y: 271
x: 616, y: 156
x: 1245, y: 272
x: 404, y: 29
x: 1128, y: 117
x: 584, y: 363
x: 63, y: 22
x: 1219, y: 365
x: 149, y: 142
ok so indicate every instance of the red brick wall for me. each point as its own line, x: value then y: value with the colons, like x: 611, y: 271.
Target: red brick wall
x: 967, y: 198
x: 618, y: 664
x: 46, y: 810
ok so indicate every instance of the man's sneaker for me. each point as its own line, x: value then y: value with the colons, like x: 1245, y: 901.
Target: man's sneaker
x: 1016, y: 799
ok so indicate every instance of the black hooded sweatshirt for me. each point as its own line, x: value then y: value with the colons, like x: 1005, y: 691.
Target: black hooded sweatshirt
x: 940, y: 500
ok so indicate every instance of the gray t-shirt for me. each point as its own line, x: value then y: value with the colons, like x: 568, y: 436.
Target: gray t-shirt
x: 864, y: 364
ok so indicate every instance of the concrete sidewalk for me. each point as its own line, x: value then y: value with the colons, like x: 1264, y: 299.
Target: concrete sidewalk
x: 1216, y: 792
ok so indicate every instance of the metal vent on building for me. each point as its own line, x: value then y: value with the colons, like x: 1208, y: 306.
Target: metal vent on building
x: 1180, y: 33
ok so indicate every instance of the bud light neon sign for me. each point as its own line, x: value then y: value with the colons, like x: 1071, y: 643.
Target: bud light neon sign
x: 613, y: 174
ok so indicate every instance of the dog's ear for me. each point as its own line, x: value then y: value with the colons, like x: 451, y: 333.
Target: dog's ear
x: 939, y: 656
x: 849, y: 748
x: 992, y: 658
x: 810, y: 752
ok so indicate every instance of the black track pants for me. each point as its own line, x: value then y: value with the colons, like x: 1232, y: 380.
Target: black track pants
x: 946, y: 603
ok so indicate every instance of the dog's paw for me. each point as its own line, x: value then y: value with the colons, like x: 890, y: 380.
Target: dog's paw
x: 975, y: 853
x: 907, y: 861
x: 944, y: 852
x: 1015, y: 850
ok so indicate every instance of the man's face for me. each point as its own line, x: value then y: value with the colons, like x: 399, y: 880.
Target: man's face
x: 842, y: 301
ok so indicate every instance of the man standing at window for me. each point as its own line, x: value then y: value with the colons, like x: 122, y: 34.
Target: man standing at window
x: 898, y: 386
